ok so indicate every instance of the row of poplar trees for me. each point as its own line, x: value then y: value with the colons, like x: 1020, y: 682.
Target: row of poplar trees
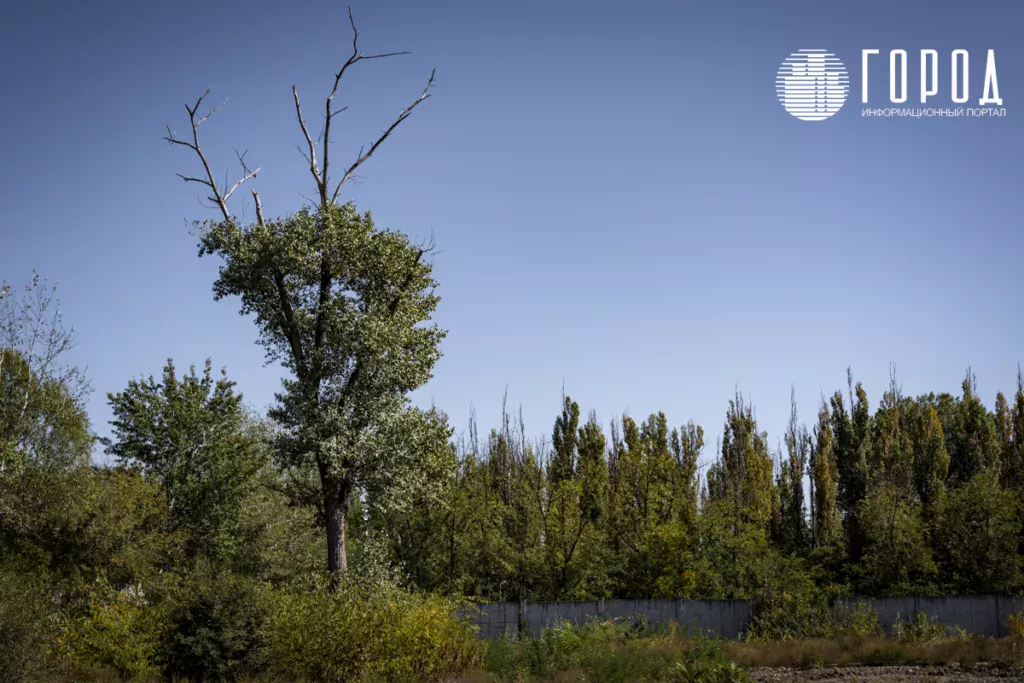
x: 920, y: 496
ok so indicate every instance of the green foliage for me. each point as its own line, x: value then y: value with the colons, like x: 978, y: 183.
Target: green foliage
x: 978, y: 540
x: 42, y: 401
x: 1015, y: 624
x: 792, y: 533
x: 274, y: 540
x: 605, y: 650
x: 122, y: 630
x: 825, y: 521
x: 699, y: 672
x: 193, y: 555
x: 354, y: 633
x: 923, y: 630
x: 190, y: 435
x: 215, y: 626
x: 746, y: 465
x: 897, y: 558
x: 28, y: 629
x: 76, y: 524
x: 793, y: 604
x: 344, y: 306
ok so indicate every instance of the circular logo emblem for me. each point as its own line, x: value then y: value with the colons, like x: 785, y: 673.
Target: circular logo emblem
x: 812, y: 84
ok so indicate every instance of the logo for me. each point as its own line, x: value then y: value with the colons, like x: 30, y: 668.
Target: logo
x: 812, y: 84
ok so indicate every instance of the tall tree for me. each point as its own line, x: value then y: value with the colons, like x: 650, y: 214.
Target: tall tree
x: 851, y: 467
x: 345, y: 306
x: 931, y: 463
x: 791, y: 482
x: 823, y: 472
x: 563, y: 441
x: 1013, y: 462
x: 861, y: 422
x: 189, y: 434
x: 686, y: 445
x: 593, y: 469
x: 42, y: 399
x: 747, y: 465
x: 975, y: 443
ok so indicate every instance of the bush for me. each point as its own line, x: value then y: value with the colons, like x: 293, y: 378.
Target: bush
x: 922, y: 630
x: 606, y: 650
x: 713, y: 672
x: 809, y: 614
x: 1016, y: 625
x: 355, y: 633
x: 122, y: 631
x: 215, y: 627
x: 27, y: 629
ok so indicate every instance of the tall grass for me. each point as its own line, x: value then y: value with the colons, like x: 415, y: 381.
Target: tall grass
x: 608, y: 651
x: 604, y: 650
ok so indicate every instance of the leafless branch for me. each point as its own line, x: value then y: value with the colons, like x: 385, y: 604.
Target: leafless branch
x: 235, y: 186
x: 259, y: 207
x: 320, y: 175
x: 193, y: 180
x: 373, y: 148
x: 311, y: 157
x: 219, y: 198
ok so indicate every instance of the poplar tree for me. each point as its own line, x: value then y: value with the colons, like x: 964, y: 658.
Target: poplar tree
x: 823, y: 472
x: 931, y: 463
x: 1013, y: 462
x: 747, y: 465
x: 686, y: 445
x: 791, y: 483
x: 345, y: 307
x: 563, y: 442
x: 593, y: 470
x: 976, y: 445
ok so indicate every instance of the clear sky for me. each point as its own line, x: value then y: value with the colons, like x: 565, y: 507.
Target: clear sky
x: 622, y: 204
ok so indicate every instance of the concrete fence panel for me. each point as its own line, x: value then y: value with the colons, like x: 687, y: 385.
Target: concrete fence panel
x: 982, y: 615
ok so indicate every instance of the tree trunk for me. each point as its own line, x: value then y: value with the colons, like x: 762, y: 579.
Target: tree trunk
x: 337, y: 500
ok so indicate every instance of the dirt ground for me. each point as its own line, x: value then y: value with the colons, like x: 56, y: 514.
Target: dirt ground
x: 889, y: 674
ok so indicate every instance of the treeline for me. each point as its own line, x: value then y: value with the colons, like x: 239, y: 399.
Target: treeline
x: 199, y: 550
x: 192, y: 555
x: 914, y: 496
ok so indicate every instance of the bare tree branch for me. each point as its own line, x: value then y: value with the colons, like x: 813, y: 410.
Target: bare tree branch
x: 235, y: 186
x: 259, y: 208
x: 193, y: 180
x: 220, y: 198
x: 311, y: 157
x: 373, y: 148
x: 321, y: 175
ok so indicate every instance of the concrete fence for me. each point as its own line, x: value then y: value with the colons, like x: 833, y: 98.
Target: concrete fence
x: 983, y: 615
x: 980, y: 615
x: 725, y: 618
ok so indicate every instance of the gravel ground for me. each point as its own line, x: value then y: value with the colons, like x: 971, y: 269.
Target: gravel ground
x: 889, y: 674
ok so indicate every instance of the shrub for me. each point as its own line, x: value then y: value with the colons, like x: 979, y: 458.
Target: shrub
x: 1016, y: 625
x: 706, y: 672
x: 215, y: 627
x: 122, y: 631
x: 27, y: 629
x: 809, y: 614
x: 922, y: 630
x: 610, y: 651
x: 355, y: 633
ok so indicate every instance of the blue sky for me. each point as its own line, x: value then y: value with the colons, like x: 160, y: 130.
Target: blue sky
x: 623, y: 206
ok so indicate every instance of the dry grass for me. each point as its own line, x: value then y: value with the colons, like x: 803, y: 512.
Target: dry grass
x: 875, y: 651
x: 963, y: 652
